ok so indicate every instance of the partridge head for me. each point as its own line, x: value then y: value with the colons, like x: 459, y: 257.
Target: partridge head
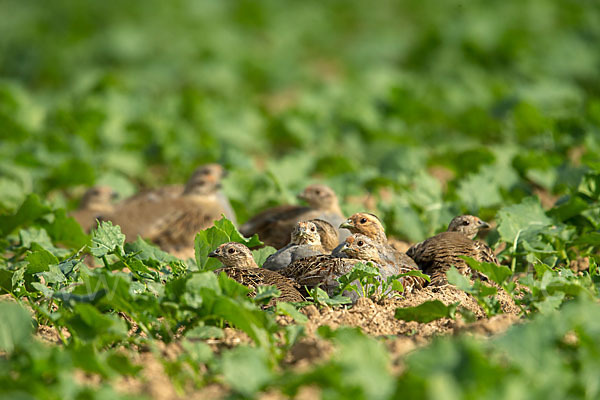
x: 366, y: 224
x: 305, y: 232
x: 320, y: 197
x: 360, y: 247
x: 468, y: 225
x: 235, y: 255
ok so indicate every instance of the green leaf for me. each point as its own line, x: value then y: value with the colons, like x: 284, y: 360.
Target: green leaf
x: 427, y: 311
x: 497, y: 273
x: 16, y: 327
x: 107, y: 239
x: 265, y: 293
x: 6, y: 281
x: 209, y: 239
x: 517, y: 220
x: 66, y: 230
x: 284, y: 308
x: 246, y: 369
x: 31, y: 209
x: 39, y: 260
x: 262, y: 254
x: 205, y: 332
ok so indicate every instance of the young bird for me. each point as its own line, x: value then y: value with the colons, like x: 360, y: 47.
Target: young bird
x: 96, y: 201
x: 438, y: 253
x: 324, y: 270
x: 305, y: 242
x: 370, y: 225
x: 274, y: 225
x: 240, y: 266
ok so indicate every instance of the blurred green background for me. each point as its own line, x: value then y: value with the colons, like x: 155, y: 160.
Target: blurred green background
x: 416, y: 110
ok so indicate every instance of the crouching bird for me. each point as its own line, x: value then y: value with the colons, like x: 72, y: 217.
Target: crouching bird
x: 239, y: 265
x: 438, y: 253
x: 324, y: 270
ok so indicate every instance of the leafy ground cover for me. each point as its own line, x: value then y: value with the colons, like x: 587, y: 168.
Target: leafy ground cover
x: 415, y: 111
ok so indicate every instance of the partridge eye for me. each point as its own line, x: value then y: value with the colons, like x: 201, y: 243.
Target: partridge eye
x: 318, y: 192
x: 312, y: 229
x: 363, y: 220
x: 231, y: 251
x: 360, y: 243
x: 465, y: 222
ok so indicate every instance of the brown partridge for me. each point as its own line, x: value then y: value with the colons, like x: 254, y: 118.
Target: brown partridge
x: 275, y: 225
x: 370, y: 225
x: 240, y: 266
x: 438, y: 253
x: 325, y: 269
x: 305, y: 242
x: 96, y: 201
x: 212, y: 172
x: 172, y: 223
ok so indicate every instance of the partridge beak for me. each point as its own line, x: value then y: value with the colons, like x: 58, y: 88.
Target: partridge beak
x: 301, y: 196
x: 213, y: 253
x: 114, y: 196
x: 344, y: 248
x: 483, y: 225
x: 346, y: 225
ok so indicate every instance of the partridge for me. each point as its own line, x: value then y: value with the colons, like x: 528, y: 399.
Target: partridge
x: 438, y: 253
x: 325, y: 269
x: 370, y: 225
x: 213, y: 172
x: 96, y: 201
x: 274, y: 225
x: 305, y: 242
x: 239, y: 265
x: 172, y: 223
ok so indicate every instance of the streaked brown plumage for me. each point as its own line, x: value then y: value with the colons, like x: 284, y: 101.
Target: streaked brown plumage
x: 274, y: 225
x: 96, y: 201
x: 370, y: 225
x: 438, y: 253
x: 240, y: 266
x: 324, y: 270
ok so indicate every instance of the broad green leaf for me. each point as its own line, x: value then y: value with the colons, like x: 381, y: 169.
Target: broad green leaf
x: 427, y: 311
x: 6, y: 285
x: 39, y: 259
x: 16, y: 327
x: 246, y: 369
x: 497, y: 273
x: 261, y: 255
x: 517, y: 220
x: 66, y: 230
x: 284, y: 308
x: 209, y: 239
x: 107, y: 239
x: 205, y: 332
x: 31, y: 209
